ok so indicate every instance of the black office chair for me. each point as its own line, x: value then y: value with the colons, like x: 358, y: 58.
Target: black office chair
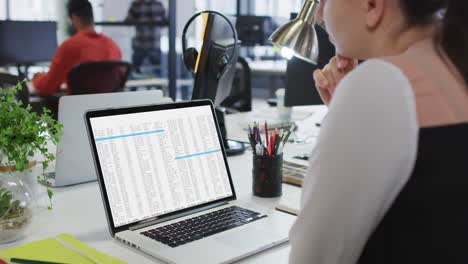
x: 240, y: 98
x: 9, y: 80
x: 91, y: 78
x: 99, y: 77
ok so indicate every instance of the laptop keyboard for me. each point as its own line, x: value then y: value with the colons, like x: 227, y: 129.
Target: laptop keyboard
x: 196, y: 228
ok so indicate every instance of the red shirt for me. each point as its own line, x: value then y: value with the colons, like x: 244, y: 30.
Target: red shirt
x: 85, y: 46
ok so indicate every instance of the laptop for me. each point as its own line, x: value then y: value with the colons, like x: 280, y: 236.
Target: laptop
x: 167, y: 189
x: 74, y: 162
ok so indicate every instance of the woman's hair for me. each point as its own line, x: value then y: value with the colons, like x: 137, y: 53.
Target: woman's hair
x: 82, y: 9
x: 453, y: 38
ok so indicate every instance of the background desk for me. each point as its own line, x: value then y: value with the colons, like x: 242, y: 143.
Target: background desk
x: 267, y: 76
x: 78, y: 210
x: 132, y: 84
x: 268, y: 67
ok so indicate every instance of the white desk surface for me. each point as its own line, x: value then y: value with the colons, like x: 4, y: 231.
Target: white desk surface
x: 237, y: 123
x: 78, y: 210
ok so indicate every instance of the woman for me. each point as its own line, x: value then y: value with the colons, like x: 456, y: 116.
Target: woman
x: 388, y: 179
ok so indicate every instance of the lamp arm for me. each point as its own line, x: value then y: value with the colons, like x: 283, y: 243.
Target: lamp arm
x: 309, y: 11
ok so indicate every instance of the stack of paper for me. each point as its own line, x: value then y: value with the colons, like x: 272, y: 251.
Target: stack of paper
x: 290, y: 202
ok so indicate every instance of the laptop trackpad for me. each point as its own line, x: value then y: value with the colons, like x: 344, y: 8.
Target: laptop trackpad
x: 248, y: 238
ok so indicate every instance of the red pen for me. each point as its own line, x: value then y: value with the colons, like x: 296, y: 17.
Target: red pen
x: 266, y: 133
x: 272, y: 142
x: 269, y: 145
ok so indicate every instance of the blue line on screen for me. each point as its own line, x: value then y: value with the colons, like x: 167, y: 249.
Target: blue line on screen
x: 131, y: 135
x: 197, y: 154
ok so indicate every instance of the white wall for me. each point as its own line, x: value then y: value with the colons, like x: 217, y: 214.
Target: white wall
x: 2, y: 9
x: 225, y: 7
x: 62, y: 20
x: 277, y: 8
x: 116, y: 10
x: 33, y: 10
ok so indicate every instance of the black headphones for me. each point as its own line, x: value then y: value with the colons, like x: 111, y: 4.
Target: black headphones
x: 190, y: 55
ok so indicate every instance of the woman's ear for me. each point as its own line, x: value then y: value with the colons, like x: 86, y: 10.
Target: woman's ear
x: 374, y: 11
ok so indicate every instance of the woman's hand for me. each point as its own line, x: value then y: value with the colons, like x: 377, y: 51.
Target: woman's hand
x: 328, y: 78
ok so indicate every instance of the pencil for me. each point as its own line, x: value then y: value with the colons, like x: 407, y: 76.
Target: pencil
x: 266, y: 133
x: 32, y: 261
x: 287, y: 136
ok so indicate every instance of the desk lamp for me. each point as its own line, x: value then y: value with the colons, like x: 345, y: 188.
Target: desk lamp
x: 298, y: 37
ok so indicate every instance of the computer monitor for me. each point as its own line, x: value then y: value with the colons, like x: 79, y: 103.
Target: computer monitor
x: 27, y: 42
x: 207, y: 83
x: 300, y: 85
x: 213, y: 81
x: 217, y: 42
x: 254, y: 30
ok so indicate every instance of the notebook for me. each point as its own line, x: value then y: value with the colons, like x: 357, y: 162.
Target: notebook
x: 51, y: 249
x: 74, y: 162
x: 293, y: 173
x: 167, y: 187
x: 291, y: 202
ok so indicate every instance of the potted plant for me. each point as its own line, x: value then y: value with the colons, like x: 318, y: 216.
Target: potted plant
x: 24, y: 134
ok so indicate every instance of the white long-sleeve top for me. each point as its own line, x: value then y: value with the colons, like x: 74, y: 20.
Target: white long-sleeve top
x: 364, y: 156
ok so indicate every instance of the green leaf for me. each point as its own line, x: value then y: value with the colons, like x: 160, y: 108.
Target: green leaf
x: 22, y: 134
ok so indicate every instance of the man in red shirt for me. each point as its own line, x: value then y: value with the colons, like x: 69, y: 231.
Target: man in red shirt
x: 85, y: 46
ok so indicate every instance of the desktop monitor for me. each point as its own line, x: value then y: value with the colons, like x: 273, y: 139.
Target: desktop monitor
x: 300, y: 85
x: 254, y: 30
x: 217, y: 42
x: 209, y: 83
x: 27, y: 42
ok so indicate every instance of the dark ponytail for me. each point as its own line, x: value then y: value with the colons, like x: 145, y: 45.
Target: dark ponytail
x: 453, y: 37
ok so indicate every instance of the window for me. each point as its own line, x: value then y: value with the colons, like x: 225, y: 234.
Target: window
x: 39, y: 9
x: 33, y: 10
x: 2, y: 9
x: 227, y: 7
x: 276, y: 8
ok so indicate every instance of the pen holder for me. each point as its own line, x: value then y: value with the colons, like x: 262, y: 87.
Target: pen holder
x: 267, y: 176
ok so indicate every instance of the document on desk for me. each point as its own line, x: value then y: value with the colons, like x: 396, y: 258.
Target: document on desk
x: 310, y: 127
x: 290, y: 202
x: 271, y: 115
x: 154, y: 164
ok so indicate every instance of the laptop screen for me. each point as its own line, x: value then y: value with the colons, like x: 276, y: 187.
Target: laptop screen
x: 157, y: 162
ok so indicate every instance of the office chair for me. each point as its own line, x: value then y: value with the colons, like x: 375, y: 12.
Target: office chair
x: 9, y: 80
x: 240, y: 98
x: 99, y: 77
x: 91, y: 78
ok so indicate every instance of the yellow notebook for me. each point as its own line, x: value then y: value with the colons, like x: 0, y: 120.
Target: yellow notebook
x: 53, y: 250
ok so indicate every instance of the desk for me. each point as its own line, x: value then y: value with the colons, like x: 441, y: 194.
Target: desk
x: 132, y: 83
x: 273, y: 70
x: 268, y: 67
x: 78, y: 210
x: 33, y: 92
x: 236, y: 124
x: 156, y: 82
